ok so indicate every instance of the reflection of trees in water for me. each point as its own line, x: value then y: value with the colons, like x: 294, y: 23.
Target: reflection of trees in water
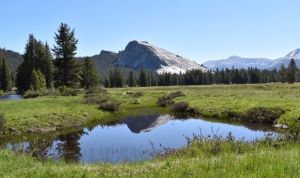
x: 39, y: 148
x: 68, y: 146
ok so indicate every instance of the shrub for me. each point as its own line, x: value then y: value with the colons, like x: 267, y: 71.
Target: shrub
x: 31, y: 94
x: 137, y: 94
x: 184, y: 108
x: 110, y: 106
x: 95, y: 95
x: 65, y: 91
x: 180, y: 107
x: 135, y: 101
x: 95, y: 99
x: 2, y: 122
x: 166, y: 100
x: 53, y: 92
x: 176, y: 94
x: 1, y: 92
x: 264, y: 114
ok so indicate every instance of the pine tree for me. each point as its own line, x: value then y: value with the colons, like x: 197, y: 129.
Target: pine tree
x: 6, y: 82
x: 143, y: 78
x: 38, y: 81
x: 131, y: 80
x: 90, y: 77
x: 37, y: 56
x: 24, y: 71
x: 291, y: 71
x: 67, y: 68
x: 48, y: 67
x: 283, y: 73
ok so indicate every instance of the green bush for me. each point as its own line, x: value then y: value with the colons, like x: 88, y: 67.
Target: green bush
x: 53, y: 92
x: 137, y: 94
x: 184, y: 108
x: 95, y: 99
x: 180, y: 107
x: 111, y: 106
x: 65, y: 91
x: 31, y: 94
x: 1, y: 92
x: 167, y: 100
x: 96, y: 95
x: 176, y: 94
x: 264, y: 114
x: 136, y: 101
x: 2, y: 122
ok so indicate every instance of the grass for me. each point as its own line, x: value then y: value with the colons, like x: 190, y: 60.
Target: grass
x: 218, y: 101
x: 199, y: 159
x: 257, y: 161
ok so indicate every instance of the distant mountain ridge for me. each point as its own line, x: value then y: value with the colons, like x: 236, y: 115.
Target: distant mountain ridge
x: 260, y: 63
x: 13, y: 58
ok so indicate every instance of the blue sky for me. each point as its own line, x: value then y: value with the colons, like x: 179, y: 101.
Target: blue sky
x: 198, y: 29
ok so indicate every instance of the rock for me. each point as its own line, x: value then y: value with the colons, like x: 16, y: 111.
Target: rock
x: 277, y: 125
x: 141, y: 54
x: 281, y: 126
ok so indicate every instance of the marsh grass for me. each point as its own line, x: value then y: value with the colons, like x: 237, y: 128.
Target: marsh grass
x: 2, y: 122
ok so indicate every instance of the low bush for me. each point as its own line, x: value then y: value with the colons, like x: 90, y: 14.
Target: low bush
x: 264, y: 114
x: 167, y: 100
x: 65, y: 91
x: 2, y: 122
x: 164, y: 101
x: 95, y: 99
x: 1, y: 92
x: 137, y: 94
x: 111, y: 106
x: 95, y: 95
x: 180, y: 107
x: 184, y: 108
x: 136, y: 101
x: 31, y: 94
x: 176, y: 94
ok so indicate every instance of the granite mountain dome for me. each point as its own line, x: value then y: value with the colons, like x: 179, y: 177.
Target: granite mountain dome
x: 141, y: 54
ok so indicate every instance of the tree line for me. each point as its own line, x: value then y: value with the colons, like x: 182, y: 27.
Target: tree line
x: 44, y: 68
x: 145, y: 78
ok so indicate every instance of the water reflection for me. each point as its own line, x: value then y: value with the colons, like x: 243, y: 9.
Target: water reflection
x: 131, y: 139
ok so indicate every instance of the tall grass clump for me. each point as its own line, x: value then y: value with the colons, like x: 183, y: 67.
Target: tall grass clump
x: 168, y: 100
x: 2, y: 122
x: 137, y: 94
x: 110, y: 106
x: 95, y: 95
x: 264, y: 114
x: 184, y: 108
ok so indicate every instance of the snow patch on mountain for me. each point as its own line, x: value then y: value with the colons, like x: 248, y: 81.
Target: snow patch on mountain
x: 260, y: 63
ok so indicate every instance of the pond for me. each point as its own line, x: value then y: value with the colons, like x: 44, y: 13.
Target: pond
x: 11, y: 97
x: 132, y: 139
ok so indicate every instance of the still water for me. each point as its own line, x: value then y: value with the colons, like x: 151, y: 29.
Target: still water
x: 132, y: 139
x: 11, y: 97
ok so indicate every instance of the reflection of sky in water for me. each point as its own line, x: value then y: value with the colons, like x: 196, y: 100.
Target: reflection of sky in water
x: 136, y: 140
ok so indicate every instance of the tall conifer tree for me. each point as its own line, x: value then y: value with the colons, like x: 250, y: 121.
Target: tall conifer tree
x: 291, y: 71
x: 90, y: 76
x: 67, y: 67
